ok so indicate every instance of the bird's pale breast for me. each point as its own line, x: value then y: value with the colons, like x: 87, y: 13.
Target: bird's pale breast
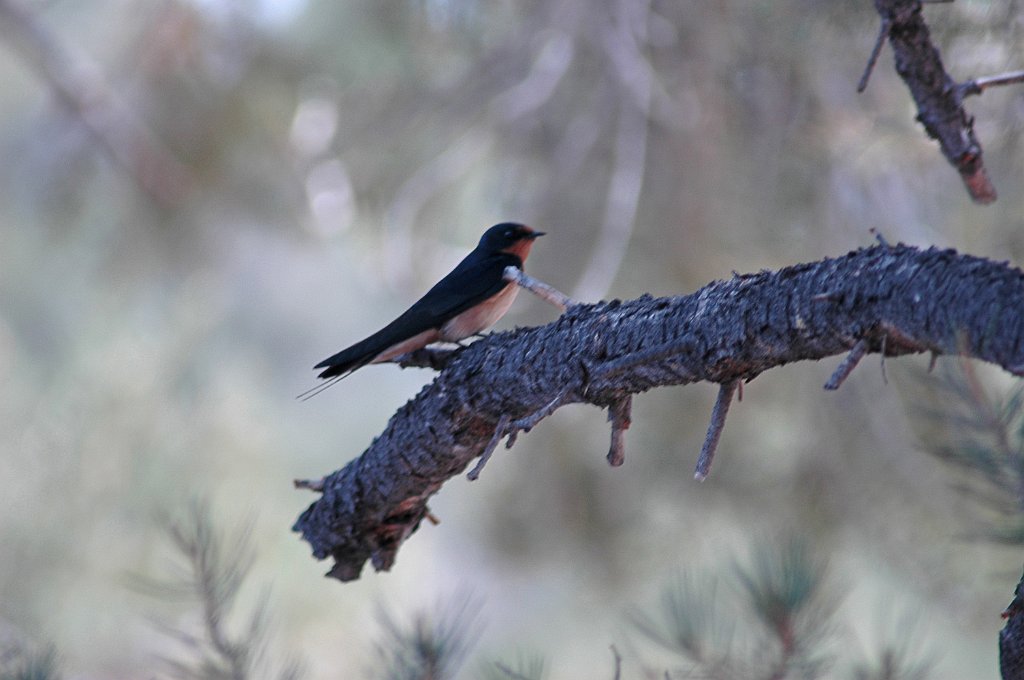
x: 480, y: 316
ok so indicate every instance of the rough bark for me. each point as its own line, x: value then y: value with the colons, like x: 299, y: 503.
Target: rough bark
x: 898, y: 300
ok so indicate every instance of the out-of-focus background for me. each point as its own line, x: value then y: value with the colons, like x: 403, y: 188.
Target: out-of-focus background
x: 200, y: 200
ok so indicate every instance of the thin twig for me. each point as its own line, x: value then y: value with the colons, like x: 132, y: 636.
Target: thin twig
x: 529, y: 422
x: 549, y: 294
x: 316, y: 485
x: 979, y: 85
x: 847, y: 365
x: 879, y: 237
x: 618, y: 663
x: 619, y: 413
x: 499, y: 432
x: 883, y: 33
x: 718, y: 413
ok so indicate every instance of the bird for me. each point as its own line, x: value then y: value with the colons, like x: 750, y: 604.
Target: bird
x: 471, y: 298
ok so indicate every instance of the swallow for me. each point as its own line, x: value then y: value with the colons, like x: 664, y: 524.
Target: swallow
x: 468, y: 300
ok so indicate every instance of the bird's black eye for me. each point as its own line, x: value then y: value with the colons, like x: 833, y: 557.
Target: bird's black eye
x: 509, y: 233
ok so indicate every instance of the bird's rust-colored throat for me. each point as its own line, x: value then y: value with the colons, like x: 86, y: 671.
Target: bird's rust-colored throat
x: 521, y: 248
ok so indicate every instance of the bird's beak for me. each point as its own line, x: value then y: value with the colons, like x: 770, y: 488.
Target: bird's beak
x: 535, y: 234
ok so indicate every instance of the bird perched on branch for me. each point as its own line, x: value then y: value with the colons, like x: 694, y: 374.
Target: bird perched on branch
x: 469, y: 299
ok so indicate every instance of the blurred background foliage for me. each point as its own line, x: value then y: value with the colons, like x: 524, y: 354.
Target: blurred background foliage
x: 199, y: 200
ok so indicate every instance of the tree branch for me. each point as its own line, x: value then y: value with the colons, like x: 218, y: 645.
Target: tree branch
x: 898, y: 299
x: 80, y: 88
x: 939, y: 99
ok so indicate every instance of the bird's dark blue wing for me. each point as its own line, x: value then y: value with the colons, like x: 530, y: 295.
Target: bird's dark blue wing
x: 473, y: 281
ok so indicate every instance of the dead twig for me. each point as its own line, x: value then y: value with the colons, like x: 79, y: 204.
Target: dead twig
x: 619, y: 414
x: 883, y: 33
x: 529, y: 422
x: 979, y: 85
x: 499, y: 432
x: 718, y: 413
x: 847, y: 365
x: 315, y: 485
x: 505, y: 426
x: 542, y: 290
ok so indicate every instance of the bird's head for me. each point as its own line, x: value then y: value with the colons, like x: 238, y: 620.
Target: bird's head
x: 509, y: 237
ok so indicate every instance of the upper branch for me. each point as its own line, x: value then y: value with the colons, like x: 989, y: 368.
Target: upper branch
x: 96, y: 104
x: 939, y: 99
x: 894, y: 300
